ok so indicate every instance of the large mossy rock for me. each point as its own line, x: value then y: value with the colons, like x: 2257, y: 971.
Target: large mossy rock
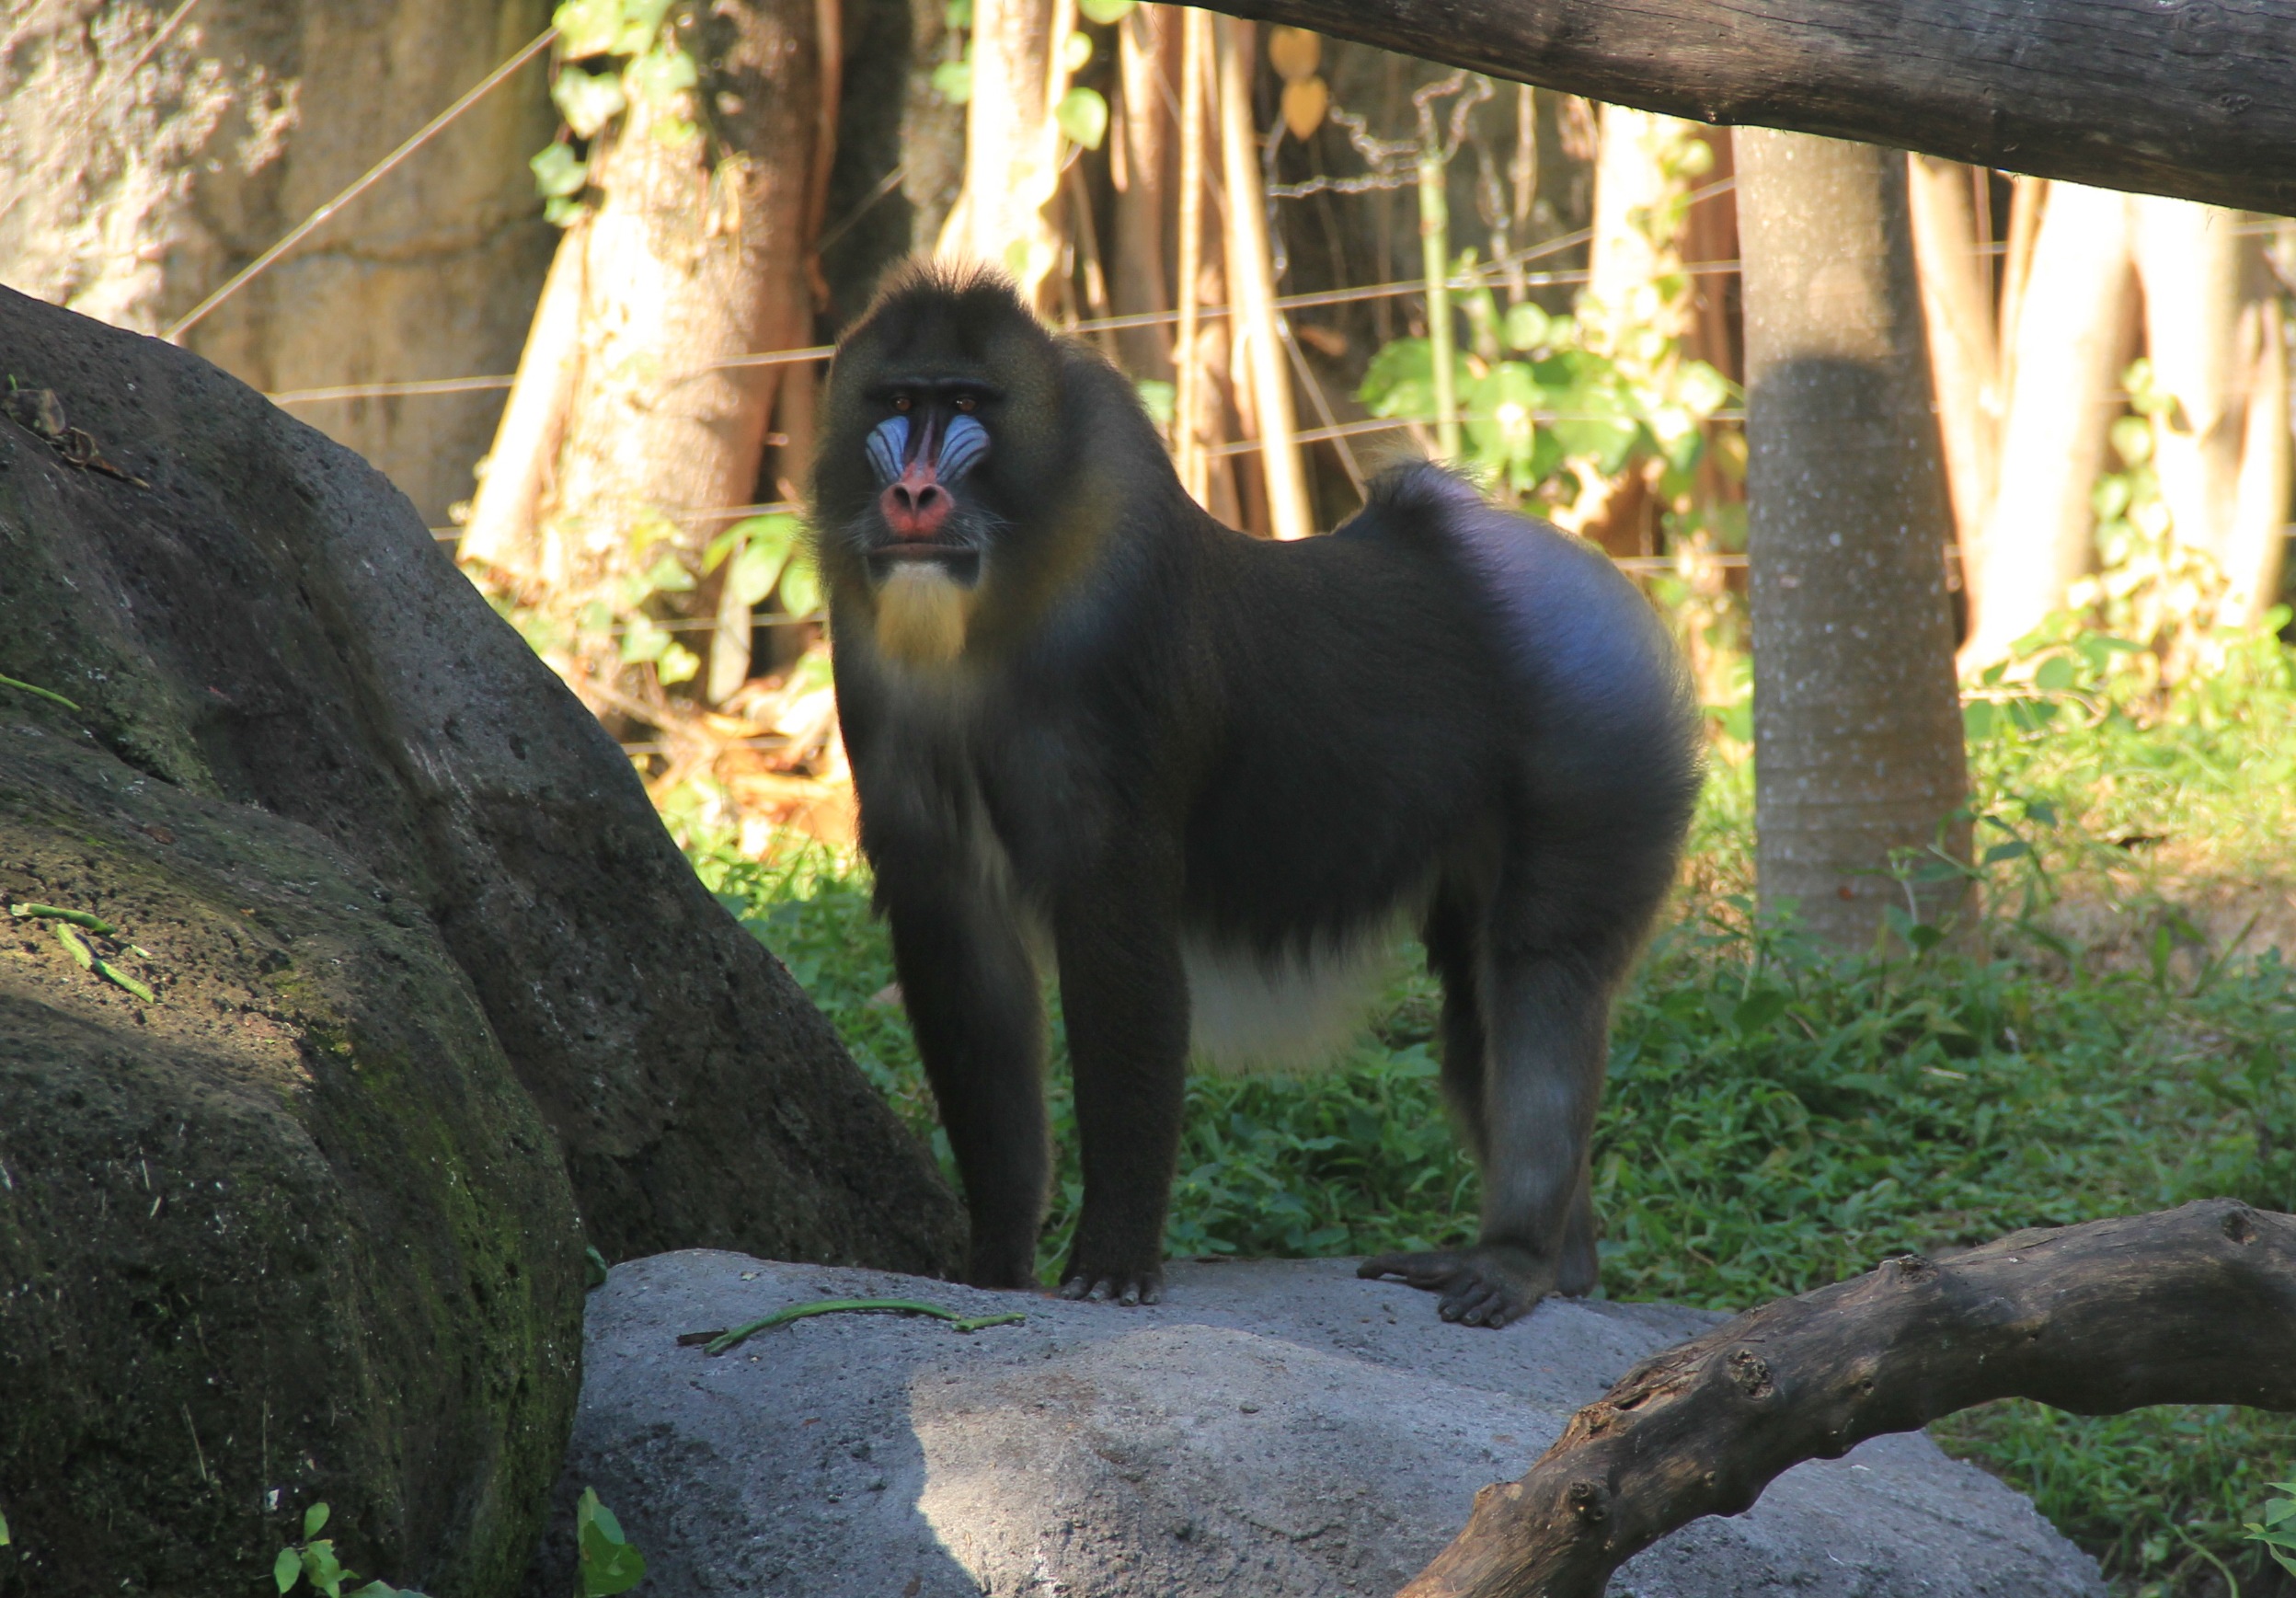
x: 292, y: 1233
x: 424, y: 960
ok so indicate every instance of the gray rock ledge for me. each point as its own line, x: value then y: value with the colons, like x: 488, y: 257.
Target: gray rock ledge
x: 1273, y: 1429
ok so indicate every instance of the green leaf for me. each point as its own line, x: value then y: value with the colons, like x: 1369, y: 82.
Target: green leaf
x: 594, y: 1269
x: 589, y: 101
x: 1757, y: 1010
x: 287, y: 1570
x: 3, y: 1530
x: 314, y: 1521
x: 1156, y: 396
x: 559, y: 174
x: 1526, y: 327
x: 755, y: 570
x: 2014, y: 850
x: 800, y: 585
x: 79, y: 952
x: 323, y: 1569
x: 587, y: 27
x: 643, y: 640
x: 677, y: 664
x: 1082, y: 116
x: 668, y: 575
x: 1977, y: 720
x: 2131, y: 439
x: 2056, y: 674
x: 57, y: 912
x: 660, y: 76
x: 1075, y: 52
x: 609, y: 1564
x: 952, y: 80
x: 1106, y: 13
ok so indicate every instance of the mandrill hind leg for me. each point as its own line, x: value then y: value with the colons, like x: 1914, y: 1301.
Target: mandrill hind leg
x: 1540, y: 1011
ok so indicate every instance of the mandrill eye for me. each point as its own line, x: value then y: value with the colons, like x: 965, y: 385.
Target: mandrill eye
x: 966, y: 404
x: 900, y: 403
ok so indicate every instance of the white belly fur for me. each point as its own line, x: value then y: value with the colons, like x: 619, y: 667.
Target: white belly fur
x: 1246, y: 1013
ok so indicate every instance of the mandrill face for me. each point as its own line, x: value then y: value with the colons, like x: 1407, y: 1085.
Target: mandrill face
x: 925, y: 467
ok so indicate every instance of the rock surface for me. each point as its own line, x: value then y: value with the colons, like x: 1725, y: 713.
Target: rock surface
x: 429, y: 981
x: 270, y: 623
x: 291, y: 1235
x: 1272, y: 1429
x: 131, y: 199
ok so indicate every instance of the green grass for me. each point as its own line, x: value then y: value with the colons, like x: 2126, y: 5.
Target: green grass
x: 1779, y: 1116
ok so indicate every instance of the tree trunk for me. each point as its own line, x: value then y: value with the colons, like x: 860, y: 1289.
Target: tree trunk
x: 2197, y: 1305
x: 2065, y: 356
x: 1857, y: 725
x: 1013, y: 146
x: 2212, y: 330
x: 695, y: 256
x: 2196, y: 95
x: 1964, y: 358
x: 1629, y: 252
x: 932, y: 130
x: 2259, y: 537
x: 1149, y: 63
x: 501, y: 533
x: 2188, y: 259
x: 1252, y: 293
x: 131, y: 198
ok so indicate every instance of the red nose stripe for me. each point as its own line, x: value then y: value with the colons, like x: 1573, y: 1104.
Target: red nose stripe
x: 914, y: 505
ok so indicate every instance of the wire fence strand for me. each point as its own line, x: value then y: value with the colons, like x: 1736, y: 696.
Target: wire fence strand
x: 365, y: 182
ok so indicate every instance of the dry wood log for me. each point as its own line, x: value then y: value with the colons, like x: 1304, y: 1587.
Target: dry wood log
x: 2168, y: 97
x: 2192, y: 1306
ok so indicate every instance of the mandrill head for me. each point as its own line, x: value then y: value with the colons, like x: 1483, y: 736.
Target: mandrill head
x: 937, y: 464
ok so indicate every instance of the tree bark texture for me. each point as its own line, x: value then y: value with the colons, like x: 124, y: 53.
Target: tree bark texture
x: 2211, y: 323
x: 1858, y: 721
x: 2065, y: 352
x: 2187, y: 99
x: 1252, y: 290
x: 2194, y: 1305
x: 129, y: 198
x: 1145, y: 151
x: 1964, y: 355
x: 1012, y: 144
x: 694, y: 255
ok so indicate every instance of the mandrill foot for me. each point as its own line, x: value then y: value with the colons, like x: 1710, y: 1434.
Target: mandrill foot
x: 1490, y: 1284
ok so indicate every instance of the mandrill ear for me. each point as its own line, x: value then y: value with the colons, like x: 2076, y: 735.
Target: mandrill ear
x: 888, y: 442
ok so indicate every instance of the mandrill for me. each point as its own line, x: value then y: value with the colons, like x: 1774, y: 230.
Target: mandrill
x: 1212, y: 779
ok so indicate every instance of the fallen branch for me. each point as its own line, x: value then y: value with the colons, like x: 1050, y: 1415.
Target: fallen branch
x: 2185, y: 99
x: 2193, y: 1305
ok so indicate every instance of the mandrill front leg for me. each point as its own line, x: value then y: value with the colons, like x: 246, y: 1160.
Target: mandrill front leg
x: 1124, y: 993
x: 971, y: 991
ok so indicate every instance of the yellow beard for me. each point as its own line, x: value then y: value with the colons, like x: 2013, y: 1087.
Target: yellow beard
x: 920, y: 615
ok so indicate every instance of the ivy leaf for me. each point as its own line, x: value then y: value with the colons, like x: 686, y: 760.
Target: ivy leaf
x: 660, y: 76
x: 589, y: 101
x: 559, y: 174
x: 587, y: 27
x: 1082, y: 115
x: 952, y: 80
x: 677, y: 664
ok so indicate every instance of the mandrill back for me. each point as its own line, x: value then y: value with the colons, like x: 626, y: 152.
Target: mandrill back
x: 1212, y: 775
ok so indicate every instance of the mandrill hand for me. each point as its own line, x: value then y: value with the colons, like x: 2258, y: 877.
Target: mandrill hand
x: 1490, y: 1284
